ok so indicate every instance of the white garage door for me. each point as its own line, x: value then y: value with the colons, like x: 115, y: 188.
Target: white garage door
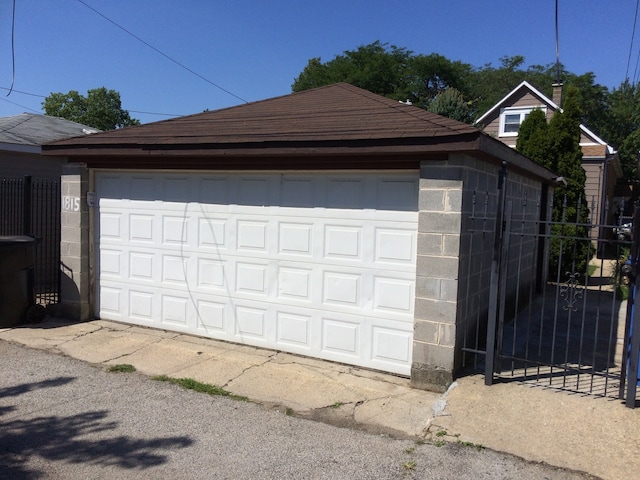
x: 317, y: 264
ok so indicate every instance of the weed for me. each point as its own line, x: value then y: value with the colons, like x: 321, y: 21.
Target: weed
x: 441, y: 433
x: 337, y: 405
x: 121, y: 368
x: 410, y: 465
x: 410, y: 450
x: 439, y: 443
x: 288, y: 411
x: 191, y: 384
x: 477, y: 446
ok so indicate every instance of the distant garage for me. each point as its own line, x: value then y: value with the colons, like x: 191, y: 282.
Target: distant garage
x: 327, y: 223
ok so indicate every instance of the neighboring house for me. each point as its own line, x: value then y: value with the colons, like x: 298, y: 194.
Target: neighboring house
x: 21, y: 137
x: 332, y: 223
x: 599, y: 160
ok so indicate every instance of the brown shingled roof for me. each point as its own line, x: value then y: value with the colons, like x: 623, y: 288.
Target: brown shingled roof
x: 339, y: 112
x: 336, y: 126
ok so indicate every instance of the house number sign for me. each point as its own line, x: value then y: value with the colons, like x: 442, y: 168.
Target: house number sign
x: 71, y: 204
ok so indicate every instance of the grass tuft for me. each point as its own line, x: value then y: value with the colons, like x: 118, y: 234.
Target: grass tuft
x: 191, y: 384
x: 410, y: 465
x: 121, y: 368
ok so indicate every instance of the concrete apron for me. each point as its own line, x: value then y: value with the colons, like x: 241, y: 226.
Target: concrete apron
x: 586, y: 433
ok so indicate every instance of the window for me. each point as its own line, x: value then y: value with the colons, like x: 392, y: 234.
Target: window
x: 512, y: 117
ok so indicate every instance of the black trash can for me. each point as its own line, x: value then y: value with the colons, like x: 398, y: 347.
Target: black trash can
x: 17, y: 261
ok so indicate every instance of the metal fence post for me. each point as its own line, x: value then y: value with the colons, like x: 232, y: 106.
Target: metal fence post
x: 632, y: 344
x: 26, y: 206
x: 495, y: 278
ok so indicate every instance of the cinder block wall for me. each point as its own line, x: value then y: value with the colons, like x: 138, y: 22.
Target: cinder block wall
x: 74, y: 243
x: 439, y: 227
x: 454, y: 259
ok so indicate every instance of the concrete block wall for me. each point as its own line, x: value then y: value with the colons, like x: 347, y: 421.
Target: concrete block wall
x: 74, y: 243
x: 439, y: 224
x: 454, y: 259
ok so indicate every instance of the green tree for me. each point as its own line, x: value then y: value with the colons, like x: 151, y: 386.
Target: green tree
x: 101, y: 108
x: 376, y: 67
x: 430, y: 75
x: 621, y: 125
x: 450, y: 103
x: 557, y: 146
x: 389, y: 71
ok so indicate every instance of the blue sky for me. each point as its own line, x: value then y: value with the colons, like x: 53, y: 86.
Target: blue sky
x: 255, y: 48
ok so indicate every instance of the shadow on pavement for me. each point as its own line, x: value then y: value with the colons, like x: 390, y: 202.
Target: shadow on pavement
x: 73, y: 439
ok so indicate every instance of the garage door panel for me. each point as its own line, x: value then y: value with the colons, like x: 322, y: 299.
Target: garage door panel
x: 141, y: 266
x: 212, y: 233
x: 295, y: 239
x: 111, y: 303
x: 252, y: 236
x: 302, y: 263
x: 141, y: 305
x: 390, y: 346
x: 174, y: 230
x: 395, y: 245
x: 341, y: 337
x: 141, y: 228
x: 392, y: 294
x: 213, y: 316
x: 174, y: 310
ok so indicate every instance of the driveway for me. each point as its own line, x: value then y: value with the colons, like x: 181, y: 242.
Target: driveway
x: 62, y: 418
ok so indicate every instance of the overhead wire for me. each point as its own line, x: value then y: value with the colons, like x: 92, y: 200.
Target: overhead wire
x: 132, y: 111
x: 13, y: 51
x: 557, y: 48
x: 633, y: 34
x: 162, y: 53
x: 19, y: 105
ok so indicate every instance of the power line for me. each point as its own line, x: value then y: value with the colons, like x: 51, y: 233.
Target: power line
x: 13, y: 49
x: 163, y: 54
x: 154, y: 113
x: 633, y: 34
x: 132, y: 111
x: 17, y: 104
x: 24, y: 93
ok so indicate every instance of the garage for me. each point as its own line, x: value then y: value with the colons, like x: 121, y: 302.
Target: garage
x: 332, y: 223
x: 317, y: 264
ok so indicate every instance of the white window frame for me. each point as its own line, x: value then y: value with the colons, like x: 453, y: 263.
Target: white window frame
x: 521, y: 111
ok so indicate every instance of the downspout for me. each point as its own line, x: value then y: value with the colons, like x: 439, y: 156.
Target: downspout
x: 604, y: 205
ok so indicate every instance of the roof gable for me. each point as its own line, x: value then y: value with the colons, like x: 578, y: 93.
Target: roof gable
x: 509, y: 99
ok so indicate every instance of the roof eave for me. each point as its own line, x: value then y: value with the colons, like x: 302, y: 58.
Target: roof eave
x: 270, y: 149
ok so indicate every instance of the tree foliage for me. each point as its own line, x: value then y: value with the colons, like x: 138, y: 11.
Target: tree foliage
x: 101, y: 108
x: 556, y: 145
x: 390, y: 71
x: 423, y: 79
x: 621, y: 125
x: 450, y: 103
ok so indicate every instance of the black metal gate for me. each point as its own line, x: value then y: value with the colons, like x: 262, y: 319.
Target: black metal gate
x: 31, y: 206
x: 556, y: 313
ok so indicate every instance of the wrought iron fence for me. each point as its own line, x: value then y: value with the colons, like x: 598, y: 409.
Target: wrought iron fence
x: 553, y: 313
x: 31, y: 206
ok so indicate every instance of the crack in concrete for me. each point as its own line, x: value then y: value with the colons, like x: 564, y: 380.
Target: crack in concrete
x: 133, y: 352
x: 80, y: 335
x: 269, y: 359
x: 438, y: 409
